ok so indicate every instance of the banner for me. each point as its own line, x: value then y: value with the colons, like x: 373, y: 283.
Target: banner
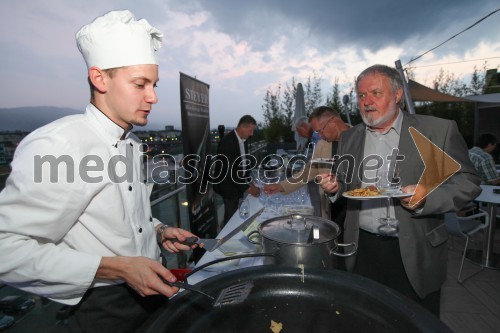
x: 195, y: 118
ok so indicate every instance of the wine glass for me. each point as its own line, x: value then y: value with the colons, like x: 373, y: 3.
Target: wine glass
x: 244, y: 208
x: 388, y: 183
x: 259, y: 182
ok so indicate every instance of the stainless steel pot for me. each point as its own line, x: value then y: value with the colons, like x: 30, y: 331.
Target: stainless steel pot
x: 301, y: 240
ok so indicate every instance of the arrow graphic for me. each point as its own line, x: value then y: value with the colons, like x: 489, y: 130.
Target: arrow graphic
x: 439, y: 166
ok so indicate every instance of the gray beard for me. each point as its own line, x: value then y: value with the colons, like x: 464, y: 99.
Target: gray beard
x: 375, y: 123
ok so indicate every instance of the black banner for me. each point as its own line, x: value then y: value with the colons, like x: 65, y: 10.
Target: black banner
x: 195, y: 118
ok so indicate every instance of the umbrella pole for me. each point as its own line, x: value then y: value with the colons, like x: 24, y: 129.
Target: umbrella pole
x: 345, y: 100
x: 406, y: 90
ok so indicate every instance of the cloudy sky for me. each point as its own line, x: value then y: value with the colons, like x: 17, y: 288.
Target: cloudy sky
x: 243, y: 48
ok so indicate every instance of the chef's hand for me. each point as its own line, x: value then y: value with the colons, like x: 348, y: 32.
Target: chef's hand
x: 253, y: 190
x: 328, y: 182
x: 273, y: 189
x: 142, y: 274
x: 180, y: 234
x: 417, y: 200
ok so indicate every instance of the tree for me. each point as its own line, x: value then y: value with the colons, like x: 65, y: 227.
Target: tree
x: 288, y: 103
x: 333, y: 99
x: 271, y: 106
x: 478, y: 81
x: 312, y: 93
x: 276, y: 128
x: 279, y: 111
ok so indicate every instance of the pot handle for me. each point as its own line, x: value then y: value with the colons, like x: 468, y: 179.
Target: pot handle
x: 250, y: 236
x: 347, y: 254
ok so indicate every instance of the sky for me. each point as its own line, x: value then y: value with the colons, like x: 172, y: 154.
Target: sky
x: 243, y: 48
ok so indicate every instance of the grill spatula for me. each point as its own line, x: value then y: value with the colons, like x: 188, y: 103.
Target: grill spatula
x: 234, y: 294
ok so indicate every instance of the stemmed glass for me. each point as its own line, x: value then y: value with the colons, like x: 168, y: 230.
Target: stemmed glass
x: 388, y: 183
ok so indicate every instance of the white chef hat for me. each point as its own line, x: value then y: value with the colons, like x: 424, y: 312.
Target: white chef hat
x: 117, y: 39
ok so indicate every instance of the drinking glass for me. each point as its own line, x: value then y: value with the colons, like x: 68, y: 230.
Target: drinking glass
x: 258, y: 181
x: 388, y: 183
x: 244, y: 208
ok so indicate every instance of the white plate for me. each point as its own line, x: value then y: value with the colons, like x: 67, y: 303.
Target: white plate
x: 322, y: 160
x: 380, y: 196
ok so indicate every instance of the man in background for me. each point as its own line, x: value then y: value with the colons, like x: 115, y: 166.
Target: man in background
x: 236, y: 182
x: 480, y: 156
x: 304, y: 129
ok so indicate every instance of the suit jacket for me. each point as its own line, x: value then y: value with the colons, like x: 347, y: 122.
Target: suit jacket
x: 422, y: 236
x: 322, y: 149
x: 233, y: 185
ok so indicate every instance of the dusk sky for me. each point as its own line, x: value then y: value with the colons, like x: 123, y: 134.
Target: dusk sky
x: 243, y: 48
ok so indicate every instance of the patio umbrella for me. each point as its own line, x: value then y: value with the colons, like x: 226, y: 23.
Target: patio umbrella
x: 300, y: 110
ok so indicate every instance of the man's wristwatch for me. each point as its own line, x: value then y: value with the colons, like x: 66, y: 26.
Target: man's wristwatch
x: 159, y: 233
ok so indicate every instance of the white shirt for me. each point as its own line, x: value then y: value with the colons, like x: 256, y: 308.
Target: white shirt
x: 241, y: 142
x: 54, y: 233
x: 380, y: 144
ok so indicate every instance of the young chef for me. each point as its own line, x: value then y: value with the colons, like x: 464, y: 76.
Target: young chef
x: 75, y: 219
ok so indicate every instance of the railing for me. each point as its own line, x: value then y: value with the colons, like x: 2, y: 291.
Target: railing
x: 168, y: 208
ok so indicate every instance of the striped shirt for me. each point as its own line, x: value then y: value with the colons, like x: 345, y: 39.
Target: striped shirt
x: 484, y: 164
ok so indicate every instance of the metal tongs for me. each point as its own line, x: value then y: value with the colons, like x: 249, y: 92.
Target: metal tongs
x: 210, y: 244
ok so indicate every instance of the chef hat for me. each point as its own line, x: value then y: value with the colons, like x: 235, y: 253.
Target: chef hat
x: 117, y: 39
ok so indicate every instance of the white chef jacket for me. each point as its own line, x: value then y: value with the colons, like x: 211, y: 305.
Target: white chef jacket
x: 53, y: 233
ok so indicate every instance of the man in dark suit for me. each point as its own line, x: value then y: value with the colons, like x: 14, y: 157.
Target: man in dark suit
x: 412, y: 261
x: 237, y: 179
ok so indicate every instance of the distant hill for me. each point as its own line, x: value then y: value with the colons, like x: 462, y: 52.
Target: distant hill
x: 30, y: 118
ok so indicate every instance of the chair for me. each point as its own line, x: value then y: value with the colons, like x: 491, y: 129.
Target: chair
x: 464, y: 227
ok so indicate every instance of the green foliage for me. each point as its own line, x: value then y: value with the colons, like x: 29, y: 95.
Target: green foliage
x: 333, y: 99
x: 276, y: 131
x: 312, y: 93
x: 288, y: 103
x: 279, y: 109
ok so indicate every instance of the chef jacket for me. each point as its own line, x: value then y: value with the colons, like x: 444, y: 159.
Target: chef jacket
x: 58, y: 218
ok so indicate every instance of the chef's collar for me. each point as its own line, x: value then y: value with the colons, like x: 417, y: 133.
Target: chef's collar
x: 239, y: 139
x: 109, y: 127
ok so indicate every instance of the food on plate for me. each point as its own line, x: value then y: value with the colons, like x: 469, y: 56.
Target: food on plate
x: 364, y: 192
x: 276, y: 327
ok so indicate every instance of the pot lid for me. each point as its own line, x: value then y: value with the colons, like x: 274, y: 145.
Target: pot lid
x: 299, y: 229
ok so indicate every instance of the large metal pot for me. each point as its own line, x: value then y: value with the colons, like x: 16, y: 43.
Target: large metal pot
x: 301, y: 240
x: 309, y: 300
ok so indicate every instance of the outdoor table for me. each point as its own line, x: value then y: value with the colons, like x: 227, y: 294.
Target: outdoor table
x: 486, y: 257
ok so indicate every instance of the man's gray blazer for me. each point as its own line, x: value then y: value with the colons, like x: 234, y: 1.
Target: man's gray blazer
x: 422, y: 236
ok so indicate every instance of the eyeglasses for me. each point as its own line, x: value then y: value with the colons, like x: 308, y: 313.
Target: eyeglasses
x: 324, y: 126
